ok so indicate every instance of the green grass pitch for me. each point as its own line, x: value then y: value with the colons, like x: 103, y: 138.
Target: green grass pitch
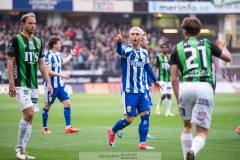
x: 93, y: 114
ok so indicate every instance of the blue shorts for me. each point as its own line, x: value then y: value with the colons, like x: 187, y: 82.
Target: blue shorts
x: 133, y: 101
x: 149, y: 97
x: 60, y: 93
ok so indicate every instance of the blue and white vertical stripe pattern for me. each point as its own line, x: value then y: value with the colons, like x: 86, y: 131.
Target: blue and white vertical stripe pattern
x: 54, y: 61
x: 134, y: 78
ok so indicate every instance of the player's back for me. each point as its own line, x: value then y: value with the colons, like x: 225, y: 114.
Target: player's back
x: 195, y: 57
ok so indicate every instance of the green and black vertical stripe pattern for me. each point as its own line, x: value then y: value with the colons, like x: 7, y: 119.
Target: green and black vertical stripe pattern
x: 26, y: 61
x: 195, y: 59
x: 164, y: 67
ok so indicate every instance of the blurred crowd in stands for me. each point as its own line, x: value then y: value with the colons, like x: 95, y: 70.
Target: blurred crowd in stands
x: 96, y: 48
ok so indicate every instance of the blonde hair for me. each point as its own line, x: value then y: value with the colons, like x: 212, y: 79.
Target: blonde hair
x: 25, y: 16
x: 136, y: 28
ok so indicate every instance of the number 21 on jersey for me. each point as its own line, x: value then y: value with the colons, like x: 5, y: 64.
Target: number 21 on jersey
x: 190, y: 61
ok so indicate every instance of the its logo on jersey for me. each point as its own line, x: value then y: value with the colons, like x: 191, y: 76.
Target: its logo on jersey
x: 165, y: 65
x: 129, y: 108
x: 31, y: 57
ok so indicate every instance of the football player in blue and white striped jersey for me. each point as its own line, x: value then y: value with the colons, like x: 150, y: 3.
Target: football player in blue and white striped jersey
x: 134, y: 63
x: 54, y: 62
x: 144, y: 44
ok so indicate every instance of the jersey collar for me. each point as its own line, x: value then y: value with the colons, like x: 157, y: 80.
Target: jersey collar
x: 24, y: 35
x: 163, y: 54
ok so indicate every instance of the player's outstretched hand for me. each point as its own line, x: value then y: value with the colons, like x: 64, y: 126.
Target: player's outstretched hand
x: 220, y: 43
x: 73, y: 52
x: 157, y: 85
x: 119, y: 36
x: 65, y: 76
x: 50, y: 89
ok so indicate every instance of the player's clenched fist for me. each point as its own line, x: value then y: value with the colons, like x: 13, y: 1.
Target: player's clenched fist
x: 119, y: 36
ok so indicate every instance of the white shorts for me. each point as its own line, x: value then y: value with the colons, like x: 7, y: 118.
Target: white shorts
x: 166, y: 87
x: 27, y: 97
x: 196, y: 102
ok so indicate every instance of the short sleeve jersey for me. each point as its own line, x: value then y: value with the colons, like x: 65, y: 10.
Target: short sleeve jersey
x: 27, y: 52
x: 194, y: 59
x: 162, y: 63
x: 134, y: 77
x: 54, y: 62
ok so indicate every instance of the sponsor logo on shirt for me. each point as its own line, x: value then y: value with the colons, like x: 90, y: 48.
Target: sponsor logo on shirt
x: 31, y: 57
x: 137, y: 63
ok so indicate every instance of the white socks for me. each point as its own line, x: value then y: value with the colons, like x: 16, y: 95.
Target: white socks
x: 68, y: 126
x: 27, y: 136
x: 168, y: 105
x: 23, y: 127
x: 186, y: 141
x: 197, y: 144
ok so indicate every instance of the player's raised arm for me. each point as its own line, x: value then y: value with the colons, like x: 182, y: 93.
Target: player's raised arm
x: 119, y: 36
x: 69, y: 57
x: 225, y: 53
x: 119, y: 48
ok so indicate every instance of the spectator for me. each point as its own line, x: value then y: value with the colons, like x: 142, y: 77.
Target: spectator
x: 93, y: 46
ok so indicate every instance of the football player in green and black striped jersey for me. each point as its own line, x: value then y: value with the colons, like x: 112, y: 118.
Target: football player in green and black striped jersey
x: 161, y: 64
x: 25, y: 56
x: 193, y: 58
